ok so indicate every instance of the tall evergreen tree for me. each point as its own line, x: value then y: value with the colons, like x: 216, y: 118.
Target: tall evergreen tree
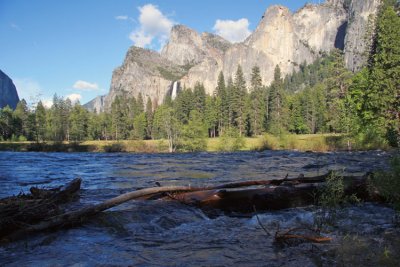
x: 222, y: 102
x: 257, y: 103
x: 149, y: 118
x: 275, y: 105
x: 21, y: 114
x: 40, y: 122
x: 239, y: 101
x: 78, y: 123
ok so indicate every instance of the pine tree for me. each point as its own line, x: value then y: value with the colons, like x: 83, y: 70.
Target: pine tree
x: 276, y: 117
x: 149, y: 118
x: 257, y: 103
x: 222, y: 103
x: 139, y: 126
x: 78, y: 123
x: 21, y: 114
x: 6, y: 123
x: 194, y: 133
x: 40, y: 122
x: 239, y: 101
x: 211, y: 118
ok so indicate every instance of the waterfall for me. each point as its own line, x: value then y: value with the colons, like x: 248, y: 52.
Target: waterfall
x: 174, y: 90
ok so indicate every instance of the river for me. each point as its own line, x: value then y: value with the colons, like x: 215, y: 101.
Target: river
x: 160, y: 233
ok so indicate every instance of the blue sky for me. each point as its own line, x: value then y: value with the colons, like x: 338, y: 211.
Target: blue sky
x: 71, y: 47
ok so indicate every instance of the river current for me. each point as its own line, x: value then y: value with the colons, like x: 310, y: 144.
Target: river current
x: 166, y: 233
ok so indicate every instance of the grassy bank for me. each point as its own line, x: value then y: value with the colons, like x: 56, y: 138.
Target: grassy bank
x: 312, y: 142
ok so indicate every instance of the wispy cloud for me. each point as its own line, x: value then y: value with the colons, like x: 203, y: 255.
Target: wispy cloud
x: 85, y: 86
x: 74, y: 97
x: 154, y: 25
x: 233, y: 31
x: 15, y: 27
x: 122, y: 17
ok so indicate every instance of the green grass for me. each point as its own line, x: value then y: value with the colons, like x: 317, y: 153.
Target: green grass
x: 309, y: 142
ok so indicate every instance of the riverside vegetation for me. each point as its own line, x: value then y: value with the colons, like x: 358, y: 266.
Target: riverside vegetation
x: 323, y: 98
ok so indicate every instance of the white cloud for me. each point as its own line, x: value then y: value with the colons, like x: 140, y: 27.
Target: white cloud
x: 233, y: 31
x: 153, y: 25
x: 85, y: 86
x: 122, y: 17
x: 74, y: 97
x: 47, y: 103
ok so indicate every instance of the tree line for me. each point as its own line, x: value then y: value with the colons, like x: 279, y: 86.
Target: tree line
x: 323, y: 97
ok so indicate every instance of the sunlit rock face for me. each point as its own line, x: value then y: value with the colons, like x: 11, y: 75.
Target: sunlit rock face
x: 358, y: 37
x: 96, y: 104
x: 8, y: 92
x: 281, y: 38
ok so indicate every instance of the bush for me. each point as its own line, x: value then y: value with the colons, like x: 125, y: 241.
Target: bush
x: 22, y: 138
x: 231, y: 141
x: 268, y: 142
x: 116, y: 147
x: 388, y: 183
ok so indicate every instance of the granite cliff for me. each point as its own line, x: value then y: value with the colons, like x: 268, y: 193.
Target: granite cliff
x: 8, y: 92
x: 281, y: 38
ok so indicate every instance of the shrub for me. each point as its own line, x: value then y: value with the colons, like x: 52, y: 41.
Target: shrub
x: 268, y: 142
x: 231, y: 140
x: 388, y: 183
x: 116, y: 147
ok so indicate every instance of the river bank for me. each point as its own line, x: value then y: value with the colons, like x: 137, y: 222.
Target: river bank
x: 306, y: 142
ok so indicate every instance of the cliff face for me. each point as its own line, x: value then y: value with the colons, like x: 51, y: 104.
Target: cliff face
x: 96, y: 105
x: 8, y: 92
x: 143, y: 71
x: 358, y: 37
x: 281, y: 38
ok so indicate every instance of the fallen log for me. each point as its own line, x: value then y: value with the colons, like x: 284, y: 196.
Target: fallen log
x: 273, y: 195
x: 231, y: 197
x: 78, y: 216
x: 18, y: 211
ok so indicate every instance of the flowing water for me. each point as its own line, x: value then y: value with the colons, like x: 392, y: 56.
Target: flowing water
x: 161, y: 233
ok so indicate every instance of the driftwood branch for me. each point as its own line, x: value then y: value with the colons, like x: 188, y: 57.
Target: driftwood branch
x: 80, y: 215
x: 291, y: 234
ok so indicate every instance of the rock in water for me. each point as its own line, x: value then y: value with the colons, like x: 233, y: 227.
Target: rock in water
x: 8, y: 92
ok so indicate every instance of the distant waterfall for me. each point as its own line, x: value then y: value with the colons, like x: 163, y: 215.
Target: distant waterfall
x: 174, y: 90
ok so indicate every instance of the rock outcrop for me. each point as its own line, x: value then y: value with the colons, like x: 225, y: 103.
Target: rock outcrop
x: 281, y: 38
x: 359, y: 32
x: 146, y: 72
x: 96, y: 105
x: 8, y: 92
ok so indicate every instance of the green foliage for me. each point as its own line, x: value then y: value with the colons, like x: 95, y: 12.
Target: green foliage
x: 79, y: 119
x: 115, y: 148
x: 139, y: 126
x: 169, y: 74
x: 333, y: 194
x: 192, y: 137
x: 388, y: 183
x: 231, y: 140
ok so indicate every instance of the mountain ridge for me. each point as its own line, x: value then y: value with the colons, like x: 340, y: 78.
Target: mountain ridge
x: 281, y: 38
x: 8, y: 92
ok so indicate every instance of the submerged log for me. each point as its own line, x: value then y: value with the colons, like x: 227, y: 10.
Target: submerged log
x: 272, y: 195
x: 232, y: 197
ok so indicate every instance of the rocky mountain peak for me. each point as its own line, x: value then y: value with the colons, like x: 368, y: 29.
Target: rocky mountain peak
x: 281, y: 38
x: 185, y: 46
